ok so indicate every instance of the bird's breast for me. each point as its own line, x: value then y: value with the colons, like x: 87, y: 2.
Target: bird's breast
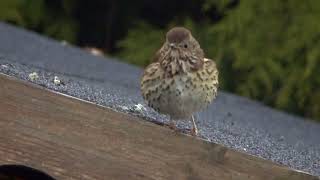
x: 182, y: 94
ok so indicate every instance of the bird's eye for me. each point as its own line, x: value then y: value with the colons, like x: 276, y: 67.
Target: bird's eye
x: 185, y: 46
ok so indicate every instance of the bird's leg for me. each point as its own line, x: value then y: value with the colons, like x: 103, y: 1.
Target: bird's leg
x: 194, y: 131
x: 172, y: 125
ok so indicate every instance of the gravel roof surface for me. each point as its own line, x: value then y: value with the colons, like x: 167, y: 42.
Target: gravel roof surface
x: 232, y: 121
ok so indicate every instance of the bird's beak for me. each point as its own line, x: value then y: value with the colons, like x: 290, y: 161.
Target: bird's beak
x: 172, y: 45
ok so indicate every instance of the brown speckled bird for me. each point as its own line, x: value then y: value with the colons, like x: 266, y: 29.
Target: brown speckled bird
x: 180, y: 81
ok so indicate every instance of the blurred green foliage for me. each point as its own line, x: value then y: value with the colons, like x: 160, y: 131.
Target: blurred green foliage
x: 275, y: 52
x: 266, y: 50
x: 52, y: 18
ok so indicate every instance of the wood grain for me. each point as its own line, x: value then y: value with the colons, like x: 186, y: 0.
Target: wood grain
x: 71, y: 139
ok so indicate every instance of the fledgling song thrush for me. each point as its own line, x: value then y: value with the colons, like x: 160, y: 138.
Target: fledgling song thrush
x: 180, y: 81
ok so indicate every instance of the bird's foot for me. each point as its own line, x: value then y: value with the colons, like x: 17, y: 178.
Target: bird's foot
x: 194, y: 131
x: 173, y: 126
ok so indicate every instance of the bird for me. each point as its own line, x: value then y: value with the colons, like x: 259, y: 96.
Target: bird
x: 180, y: 81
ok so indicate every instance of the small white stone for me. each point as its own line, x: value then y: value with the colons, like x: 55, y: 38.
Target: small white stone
x: 64, y: 42
x: 124, y: 108
x: 139, y: 107
x: 33, y: 76
x: 94, y: 51
x: 56, y: 80
x: 4, y: 66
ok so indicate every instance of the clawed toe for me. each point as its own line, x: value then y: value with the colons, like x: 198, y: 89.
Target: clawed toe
x: 173, y: 126
x: 194, y: 132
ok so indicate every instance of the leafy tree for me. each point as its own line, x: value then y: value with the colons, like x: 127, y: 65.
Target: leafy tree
x: 141, y: 44
x: 53, y: 18
x: 275, y: 52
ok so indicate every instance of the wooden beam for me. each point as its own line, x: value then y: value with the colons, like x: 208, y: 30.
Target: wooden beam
x: 68, y: 138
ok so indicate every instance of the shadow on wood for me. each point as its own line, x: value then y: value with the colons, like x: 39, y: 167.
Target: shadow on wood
x: 20, y: 172
x: 68, y: 138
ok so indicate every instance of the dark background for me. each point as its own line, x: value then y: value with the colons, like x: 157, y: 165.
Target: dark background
x: 266, y: 50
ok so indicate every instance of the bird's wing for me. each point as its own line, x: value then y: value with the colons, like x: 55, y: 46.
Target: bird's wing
x: 211, y: 68
x: 151, y: 77
x: 156, y: 57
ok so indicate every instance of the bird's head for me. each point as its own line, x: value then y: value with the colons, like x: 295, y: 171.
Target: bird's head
x: 179, y: 38
x: 181, y: 48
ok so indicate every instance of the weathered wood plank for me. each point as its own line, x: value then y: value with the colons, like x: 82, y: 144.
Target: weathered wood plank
x: 72, y: 139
